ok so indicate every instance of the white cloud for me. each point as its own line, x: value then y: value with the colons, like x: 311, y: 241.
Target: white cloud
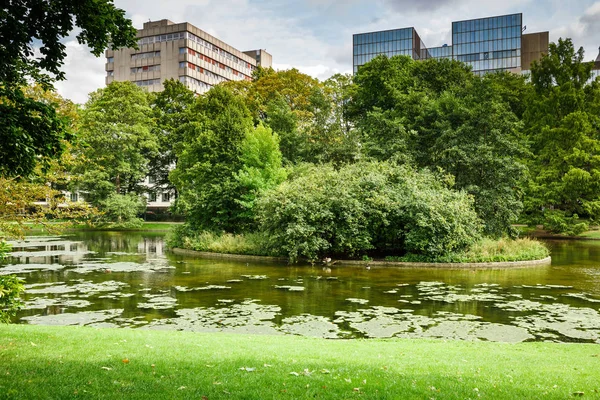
x: 584, y: 31
x: 320, y: 71
x: 411, y: 6
x: 85, y: 73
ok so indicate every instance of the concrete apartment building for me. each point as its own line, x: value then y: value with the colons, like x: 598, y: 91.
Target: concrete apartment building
x: 183, y: 52
x: 486, y: 44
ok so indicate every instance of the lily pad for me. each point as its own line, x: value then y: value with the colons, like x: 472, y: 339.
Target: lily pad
x: 290, y: 288
x: 311, y: 325
x: 357, y: 301
x: 255, y: 277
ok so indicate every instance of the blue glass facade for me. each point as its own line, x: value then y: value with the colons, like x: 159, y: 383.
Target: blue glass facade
x: 394, y: 42
x: 486, y: 44
x: 440, y: 52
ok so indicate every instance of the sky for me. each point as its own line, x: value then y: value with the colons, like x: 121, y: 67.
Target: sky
x: 315, y: 36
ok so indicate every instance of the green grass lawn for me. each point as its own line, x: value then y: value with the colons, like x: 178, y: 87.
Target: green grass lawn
x: 591, y: 234
x: 147, y: 226
x: 38, y: 362
x: 529, y: 230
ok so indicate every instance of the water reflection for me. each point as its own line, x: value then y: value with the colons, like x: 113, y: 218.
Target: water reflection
x: 128, y: 280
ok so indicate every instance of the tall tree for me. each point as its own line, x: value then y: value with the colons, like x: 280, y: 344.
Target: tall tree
x: 224, y: 163
x: 437, y: 114
x: 261, y: 168
x: 30, y: 129
x: 563, y: 123
x: 117, y: 141
x: 473, y: 135
x: 209, y: 159
x: 170, y: 109
x: 302, y: 111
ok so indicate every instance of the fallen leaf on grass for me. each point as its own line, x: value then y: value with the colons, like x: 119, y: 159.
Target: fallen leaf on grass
x: 267, y: 365
x: 125, y: 361
x: 348, y: 380
x: 356, y: 389
x: 182, y: 388
x: 578, y: 394
x: 294, y: 373
x: 247, y: 369
x: 325, y: 371
x: 217, y: 383
x: 33, y: 344
x: 106, y: 368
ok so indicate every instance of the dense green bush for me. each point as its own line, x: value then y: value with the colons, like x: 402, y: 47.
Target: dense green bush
x: 4, y: 249
x: 366, y: 206
x: 557, y: 222
x: 10, y: 289
x: 121, y: 211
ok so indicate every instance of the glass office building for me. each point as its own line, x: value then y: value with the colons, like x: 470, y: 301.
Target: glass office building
x: 394, y: 42
x: 440, y: 52
x: 486, y: 44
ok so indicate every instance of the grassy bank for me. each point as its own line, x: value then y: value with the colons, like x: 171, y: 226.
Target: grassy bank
x: 536, y: 232
x: 490, y: 250
x: 146, y: 226
x: 593, y: 234
x: 69, y: 362
x: 486, y: 250
x: 227, y: 243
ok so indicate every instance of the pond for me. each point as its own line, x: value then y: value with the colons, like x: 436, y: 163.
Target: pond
x: 114, y: 279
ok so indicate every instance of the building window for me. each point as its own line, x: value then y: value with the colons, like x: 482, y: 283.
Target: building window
x: 152, y: 197
x: 110, y: 73
x: 147, y: 82
x: 149, y: 54
x: 195, y: 83
x: 110, y: 59
x: 149, y: 68
x: 74, y: 197
x: 151, y: 179
x: 166, y: 197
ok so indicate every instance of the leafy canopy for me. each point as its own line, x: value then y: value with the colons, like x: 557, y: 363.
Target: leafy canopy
x: 436, y: 114
x: 116, y: 142
x: 31, y: 129
x: 563, y: 124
